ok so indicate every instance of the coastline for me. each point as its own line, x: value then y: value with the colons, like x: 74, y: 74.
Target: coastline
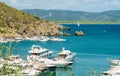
x: 84, y: 22
x: 88, y: 51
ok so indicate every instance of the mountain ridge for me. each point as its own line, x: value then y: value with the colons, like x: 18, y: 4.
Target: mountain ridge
x: 68, y: 15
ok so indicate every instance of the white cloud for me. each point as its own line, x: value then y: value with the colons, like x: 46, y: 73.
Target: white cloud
x: 14, y: 2
x: 70, y: 2
x: 82, y: 5
x: 89, y: 1
x: 115, y: 2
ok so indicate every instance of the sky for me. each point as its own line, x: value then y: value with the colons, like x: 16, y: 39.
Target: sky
x: 74, y: 5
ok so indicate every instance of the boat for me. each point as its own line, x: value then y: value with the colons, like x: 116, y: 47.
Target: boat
x: 38, y: 52
x: 114, y: 68
x: 78, y: 24
x: 111, y: 73
x: 57, y: 39
x: 34, y: 38
x: 115, y: 62
x: 30, y: 71
x: 2, y: 40
x: 15, y: 60
x: 18, y: 39
x: 57, y: 63
x: 65, y: 55
x: 43, y: 38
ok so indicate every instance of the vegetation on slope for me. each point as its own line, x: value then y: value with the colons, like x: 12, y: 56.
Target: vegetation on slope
x: 13, y: 23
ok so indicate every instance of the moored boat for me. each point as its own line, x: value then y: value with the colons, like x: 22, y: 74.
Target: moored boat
x: 111, y: 73
x: 2, y: 40
x: 116, y: 62
x: 38, y: 52
x: 57, y: 39
x: 57, y: 63
x: 114, y: 68
x: 43, y: 38
x: 65, y: 55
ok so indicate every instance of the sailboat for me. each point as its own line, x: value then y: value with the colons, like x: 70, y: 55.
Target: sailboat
x: 78, y: 24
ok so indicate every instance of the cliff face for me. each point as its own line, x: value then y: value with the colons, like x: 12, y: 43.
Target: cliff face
x: 13, y: 22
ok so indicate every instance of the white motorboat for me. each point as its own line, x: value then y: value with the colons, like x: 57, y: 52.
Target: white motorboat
x: 65, y: 55
x: 30, y: 72
x: 57, y: 39
x: 43, y: 38
x: 2, y: 40
x: 15, y: 60
x: 111, y: 73
x: 114, y: 67
x: 116, y: 62
x: 18, y: 39
x: 38, y: 52
x: 34, y: 38
x: 55, y: 62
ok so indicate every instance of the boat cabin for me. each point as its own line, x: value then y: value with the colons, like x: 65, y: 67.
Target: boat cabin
x: 64, y: 53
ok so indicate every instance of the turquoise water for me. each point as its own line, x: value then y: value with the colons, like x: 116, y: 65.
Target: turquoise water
x: 101, y: 42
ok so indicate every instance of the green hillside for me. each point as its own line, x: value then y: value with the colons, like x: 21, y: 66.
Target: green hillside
x: 72, y: 16
x: 13, y: 22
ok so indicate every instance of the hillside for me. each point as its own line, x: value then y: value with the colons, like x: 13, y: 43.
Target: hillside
x: 14, y: 23
x: 67, y: 15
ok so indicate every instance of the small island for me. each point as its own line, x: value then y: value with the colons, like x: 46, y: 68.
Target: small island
x: 79, y: 33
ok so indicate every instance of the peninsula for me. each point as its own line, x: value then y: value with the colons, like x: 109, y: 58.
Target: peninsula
x: 14, y: 23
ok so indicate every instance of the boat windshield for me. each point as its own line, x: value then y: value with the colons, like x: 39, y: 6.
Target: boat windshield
x: 62, y: 56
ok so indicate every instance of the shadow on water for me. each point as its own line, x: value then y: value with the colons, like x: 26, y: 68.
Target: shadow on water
x: 66, y: 71
x: 48, y: 74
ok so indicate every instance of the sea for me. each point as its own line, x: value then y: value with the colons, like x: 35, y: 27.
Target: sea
x: 100, y: 43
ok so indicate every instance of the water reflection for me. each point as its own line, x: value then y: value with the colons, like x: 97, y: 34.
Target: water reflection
x: 66, y: 71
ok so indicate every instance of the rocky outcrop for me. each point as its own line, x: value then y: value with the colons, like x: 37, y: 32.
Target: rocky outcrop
x: 67, y: 34
x: 60, y: 27
x: 79, y: 33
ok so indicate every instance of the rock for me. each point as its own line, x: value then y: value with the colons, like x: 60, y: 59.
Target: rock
x: 66, y: 34
x: 79, y: 33
x: 60, y: 27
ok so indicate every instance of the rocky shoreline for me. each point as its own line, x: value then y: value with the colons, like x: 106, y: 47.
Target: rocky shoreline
x: 55, y: 31
x: 15, y: 23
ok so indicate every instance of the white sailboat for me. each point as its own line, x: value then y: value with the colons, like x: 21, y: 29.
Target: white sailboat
x: 78, y: 24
